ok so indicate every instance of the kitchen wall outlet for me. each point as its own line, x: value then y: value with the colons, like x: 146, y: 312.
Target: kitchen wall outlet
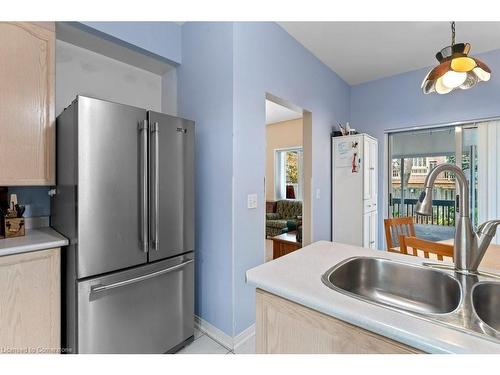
x: 252, y: 201
x: 318, y: 194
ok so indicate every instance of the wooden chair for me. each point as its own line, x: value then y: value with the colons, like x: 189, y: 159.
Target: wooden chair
x: 427, y: 247
x: 396, y: 227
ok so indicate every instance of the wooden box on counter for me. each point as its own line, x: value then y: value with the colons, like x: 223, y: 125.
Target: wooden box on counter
x: 12, y: 227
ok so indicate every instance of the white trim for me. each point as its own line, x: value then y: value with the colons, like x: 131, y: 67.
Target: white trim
x: 280, y: 173
x: 441, y: 125
x: 387, y: 171
x: 213, y: 332
x: 243, y: 337
x: 233, y: 268
x: 489, y: 172
x: 482, y: 172
x: 332, y: 188
x: 283, y: 103
x: 230, y: 343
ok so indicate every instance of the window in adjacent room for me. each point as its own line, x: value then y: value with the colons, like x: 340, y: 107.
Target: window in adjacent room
x: 288, y: 179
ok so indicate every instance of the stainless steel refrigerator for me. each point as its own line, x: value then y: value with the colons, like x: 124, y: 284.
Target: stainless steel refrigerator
x: 125, y: 200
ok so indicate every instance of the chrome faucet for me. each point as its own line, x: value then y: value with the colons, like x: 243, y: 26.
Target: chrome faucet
x: 469, y: 247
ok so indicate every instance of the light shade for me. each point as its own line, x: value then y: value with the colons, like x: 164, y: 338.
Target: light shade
x: 456, y: 70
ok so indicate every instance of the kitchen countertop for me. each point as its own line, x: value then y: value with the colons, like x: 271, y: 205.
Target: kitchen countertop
x: 34, y: 240
x: 297, y: 277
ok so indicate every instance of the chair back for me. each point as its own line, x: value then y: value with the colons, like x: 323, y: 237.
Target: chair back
x: 395, y: 227
x: 416, y: 244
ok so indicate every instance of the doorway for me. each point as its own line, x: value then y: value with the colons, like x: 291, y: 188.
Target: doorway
x: 412, y: 155
x: 287, y: 177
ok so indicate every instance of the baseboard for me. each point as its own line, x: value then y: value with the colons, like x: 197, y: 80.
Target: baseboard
x: 231, y: 343
x: 243, y: 337
x: 214, y: 332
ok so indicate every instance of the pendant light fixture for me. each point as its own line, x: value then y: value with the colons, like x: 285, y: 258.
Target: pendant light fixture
x: 456, y: 69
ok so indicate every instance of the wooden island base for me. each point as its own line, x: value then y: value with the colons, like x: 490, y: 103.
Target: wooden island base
x: 285, y: 327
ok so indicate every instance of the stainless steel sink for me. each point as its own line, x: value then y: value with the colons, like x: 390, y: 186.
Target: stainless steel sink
x: 432, y: 292
x: 399, y: 285
x: 486, y: 302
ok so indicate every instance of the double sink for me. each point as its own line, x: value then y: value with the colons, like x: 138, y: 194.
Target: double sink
x: 468, y: 302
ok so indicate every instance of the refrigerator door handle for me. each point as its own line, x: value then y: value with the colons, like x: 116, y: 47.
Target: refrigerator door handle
x: 143, y: 175
x: 102, y: 288
x: 154, y: 186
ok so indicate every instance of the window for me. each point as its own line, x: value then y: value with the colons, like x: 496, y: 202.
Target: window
x: 419, y: 162
x: 288, y: 174
x: 432, y: 164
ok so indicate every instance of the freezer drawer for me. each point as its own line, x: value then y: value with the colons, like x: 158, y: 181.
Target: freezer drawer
x: 147, y: 309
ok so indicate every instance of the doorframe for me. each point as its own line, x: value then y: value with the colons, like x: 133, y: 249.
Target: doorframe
x: 307, y: 199
x: 386, y: 183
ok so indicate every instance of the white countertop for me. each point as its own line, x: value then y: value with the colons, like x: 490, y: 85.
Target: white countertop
x: 34, y: 240
x: 297, y: 277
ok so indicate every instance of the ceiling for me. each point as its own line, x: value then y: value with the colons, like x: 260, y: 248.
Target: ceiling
x: 277, y: 113
x: 364, y: 51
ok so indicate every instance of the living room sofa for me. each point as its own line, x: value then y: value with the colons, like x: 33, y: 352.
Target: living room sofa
x: 288, y: 213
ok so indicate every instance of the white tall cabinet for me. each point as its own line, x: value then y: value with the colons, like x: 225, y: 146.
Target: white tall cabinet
x: 355, y: 190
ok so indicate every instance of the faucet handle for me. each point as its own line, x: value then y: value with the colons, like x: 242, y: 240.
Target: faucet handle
x: 489, y: 227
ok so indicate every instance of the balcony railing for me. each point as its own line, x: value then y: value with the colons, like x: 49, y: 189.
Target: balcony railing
x: 443, y: 211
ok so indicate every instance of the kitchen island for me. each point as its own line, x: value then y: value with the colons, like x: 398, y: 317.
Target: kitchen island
x: 297, y: 313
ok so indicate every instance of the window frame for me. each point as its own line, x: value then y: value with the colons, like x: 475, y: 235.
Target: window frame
x: 279, y: 192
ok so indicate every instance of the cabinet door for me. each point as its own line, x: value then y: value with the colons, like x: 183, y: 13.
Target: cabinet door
x: 26, y: 104
x: 366, y: 230
x: 367, y: 175
x: 372, y: 244
x: 370, y: 230
x: 373, y: 173
x: 370, y: 171
x: 30, y: 301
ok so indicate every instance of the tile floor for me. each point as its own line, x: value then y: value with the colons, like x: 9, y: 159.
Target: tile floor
x: 204, y: 344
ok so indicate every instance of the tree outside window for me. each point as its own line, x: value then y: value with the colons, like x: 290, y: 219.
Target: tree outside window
x: 292, y: 167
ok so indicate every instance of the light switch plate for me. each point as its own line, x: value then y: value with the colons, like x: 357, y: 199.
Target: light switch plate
x: 252, y: 201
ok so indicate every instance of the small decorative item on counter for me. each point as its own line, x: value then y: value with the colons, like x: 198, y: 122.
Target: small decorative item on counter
x: 12, y: 220
x: 13, y: 227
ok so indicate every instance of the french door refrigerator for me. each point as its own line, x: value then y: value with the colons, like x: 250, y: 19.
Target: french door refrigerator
x: 125, y: 200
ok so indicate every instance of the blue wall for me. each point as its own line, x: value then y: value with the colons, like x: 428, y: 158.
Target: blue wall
x: 36, y: 199
x: 398, y: 102
x: 205, y: 95
x: 160, y: 38
x: 268, y: 59
x: 226, y: 72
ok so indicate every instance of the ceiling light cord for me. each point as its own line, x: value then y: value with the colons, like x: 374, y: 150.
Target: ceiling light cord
x: 452, y: 33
